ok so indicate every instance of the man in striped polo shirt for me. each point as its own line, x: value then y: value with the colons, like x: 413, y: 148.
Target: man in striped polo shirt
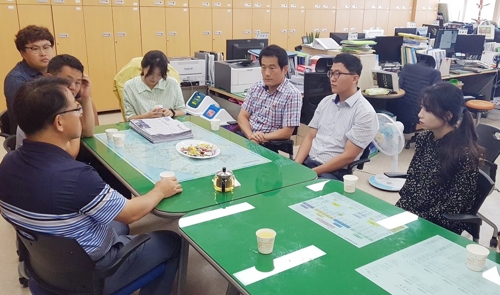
x: 343, y: 124
x: 45, y: 190
x: 272, y: 106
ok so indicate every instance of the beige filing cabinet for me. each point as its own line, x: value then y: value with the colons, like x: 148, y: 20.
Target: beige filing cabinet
x: 69, y: 32
x: 153, y: 29
x: 200, y: 20
x: 177, y: 32
x: 279, y: 27
x: 222, y: 28
x: 127, y: 33
x: 242, y: 23
x: 10, y: 55
x: 261, y: 21
x: 296, y: 29
x: 40, y: 15
x: 100, y: 50
x: 327, y: 24
x: 367, y: 60
x: 312, y: 22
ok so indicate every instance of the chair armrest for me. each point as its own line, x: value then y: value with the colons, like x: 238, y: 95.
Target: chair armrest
x: 467, y: 218
x: 122, y: 255
x: 356, y: 163
x: 280, y: 141
x: 493, y: 169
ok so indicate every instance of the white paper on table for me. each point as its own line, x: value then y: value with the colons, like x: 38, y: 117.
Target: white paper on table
x: 214, y: 214
x: 281, y: 264
x: 492, y: 275
x: 317, y: 186
x: 398, y: 220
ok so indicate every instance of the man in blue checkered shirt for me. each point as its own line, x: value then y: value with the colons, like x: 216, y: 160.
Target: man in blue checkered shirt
x: 272, y: 106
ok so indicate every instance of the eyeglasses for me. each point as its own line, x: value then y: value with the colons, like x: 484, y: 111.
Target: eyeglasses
x: 37, y: 49
x: 337, y: 74
x: 78, y: 109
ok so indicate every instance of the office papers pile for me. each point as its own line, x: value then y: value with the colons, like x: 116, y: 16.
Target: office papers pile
x: 357, y: 46
x: 412, y: 44
x: 161, y: 129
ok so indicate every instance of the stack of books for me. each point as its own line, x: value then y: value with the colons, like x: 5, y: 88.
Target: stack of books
x: 357, y: 46
x: 412, y: 44
x: 161, y: 129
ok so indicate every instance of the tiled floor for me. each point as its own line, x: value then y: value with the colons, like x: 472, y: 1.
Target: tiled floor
x: 202, y: 278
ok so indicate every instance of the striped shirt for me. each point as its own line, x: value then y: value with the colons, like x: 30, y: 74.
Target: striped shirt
x: 354, y: 120
x: 138, y: 98
x: 47, y: 191
x: 272, y: 111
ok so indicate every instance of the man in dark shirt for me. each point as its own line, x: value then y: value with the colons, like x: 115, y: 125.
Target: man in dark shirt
x: 41, y: 183
x: 35, y: 44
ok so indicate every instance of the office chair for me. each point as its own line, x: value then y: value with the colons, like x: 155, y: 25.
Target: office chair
x: 9, y: 143
x: 59, y: 265
x: 284, y: 145
x: 473, y: 218
x: 5, y: 124
x: 360, y: 163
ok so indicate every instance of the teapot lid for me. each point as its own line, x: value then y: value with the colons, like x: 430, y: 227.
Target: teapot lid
x: 224, y: 173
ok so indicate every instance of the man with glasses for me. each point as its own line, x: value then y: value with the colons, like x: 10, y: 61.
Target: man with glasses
x: 35, y: 44
x: 271, y: 110
x: 45, y: 190
x: 343, y: 124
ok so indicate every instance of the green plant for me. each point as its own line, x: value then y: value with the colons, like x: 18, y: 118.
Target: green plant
x: 311, y: 36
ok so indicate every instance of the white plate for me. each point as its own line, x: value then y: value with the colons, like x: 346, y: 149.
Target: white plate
x: 187, y: 143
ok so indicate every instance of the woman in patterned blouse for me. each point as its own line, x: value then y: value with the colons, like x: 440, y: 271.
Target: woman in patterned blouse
x: 442, y: 177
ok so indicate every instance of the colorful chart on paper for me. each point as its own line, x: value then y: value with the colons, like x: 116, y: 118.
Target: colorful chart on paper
x: 348, y: 219
x: 152, y: 159
x: 435, y: 266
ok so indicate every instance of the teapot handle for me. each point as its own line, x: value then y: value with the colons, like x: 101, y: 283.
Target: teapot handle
x: 223, y: 185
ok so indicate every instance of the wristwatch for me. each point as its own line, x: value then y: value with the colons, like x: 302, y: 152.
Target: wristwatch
x: 173, y: 113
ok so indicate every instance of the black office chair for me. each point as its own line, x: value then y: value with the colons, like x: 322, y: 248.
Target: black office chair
x: 9, y: 144
x: 473, y: 218
x: 285, y: 145
x: 59, y: 265
x: 5, y: 124
x: 360, y: 163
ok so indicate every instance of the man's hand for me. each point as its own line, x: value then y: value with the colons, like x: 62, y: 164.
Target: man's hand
x: 168, y: 186
x: 85, y: 88
x: 258, y: 137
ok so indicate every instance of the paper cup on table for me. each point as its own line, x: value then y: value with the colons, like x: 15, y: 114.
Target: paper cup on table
x: 110, y: 132
x: 119, y: 139
x: 167, y: 174
x: 476, y: 256
x: 350, y: 183
x: 265, y: 240
x: 215, y: 124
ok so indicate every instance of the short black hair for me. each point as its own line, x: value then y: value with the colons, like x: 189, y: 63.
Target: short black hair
x: 155, y: 59
x: 350, y: 62
x: 31, y: 34
x: 59, y: 61
x: 275, y: 51
x: 38, y: 101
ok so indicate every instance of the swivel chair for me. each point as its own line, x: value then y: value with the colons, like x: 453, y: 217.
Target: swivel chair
x: 9, y: 143
x: 5, y: 124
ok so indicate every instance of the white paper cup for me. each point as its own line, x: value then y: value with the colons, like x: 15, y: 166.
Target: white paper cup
x: 350, y: 183
x: 110, y: 132
x: 215, y: 124
x: 158, y: 106
x: 476, y: 256
x: 265, y: 240
x: 119, y: 139
x: 167, y: 174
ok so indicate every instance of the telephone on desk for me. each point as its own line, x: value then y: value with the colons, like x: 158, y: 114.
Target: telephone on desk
x: 474, y: 64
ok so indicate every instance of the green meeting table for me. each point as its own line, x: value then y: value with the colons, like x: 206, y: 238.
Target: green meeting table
x: 229, y: 243
x: 275, y: 173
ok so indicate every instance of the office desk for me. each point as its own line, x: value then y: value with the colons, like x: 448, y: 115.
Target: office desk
x: 199, y: 193
x: 379, y: 102
x: 229, y: 243
x: 238, y: 96
x: 474, y: 83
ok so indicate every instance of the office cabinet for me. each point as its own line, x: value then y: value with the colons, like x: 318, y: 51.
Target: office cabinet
x: 127, y: 34
x: 12, y: 2
x: 371, y: 4
x: 425, y: 17
x: 10, y: 56
x: 121, y: 3
x: 370, y: 19
x: 261, y: 3
x: 383, y: 21
x: 279, y: 28
x: 152, y: 3
x: 177, y: 32
x: 261, y: 21
x: 222, y: 28
x: 342, y: 20
x: 406, y: 4
x: 247, y: 4
x: 200, y: 3
x: 242, y: 23
x: 100, y: 50
x: 343, y: 4
x: 200, y: 29
x: 179, y: 3
x: 383, y: 4
x: 356, y: 20
x: 313, y: 4
x: 33, y: 2
x: 279, y: 4
x: 96, y: 2
x: 395, y: 4
x: 69, y: 32
x: 357, y: 4
x: 66, y: 2
x: 329, y: 4
x: 153, y: 29
x: 39, y: 15
x: 327, y: 22
x: 222, y: 4
x: 296, y: 19
x: 296, y: 4
x: 313, y: 21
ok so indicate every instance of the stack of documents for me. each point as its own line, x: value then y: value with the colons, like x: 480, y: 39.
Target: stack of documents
x: 357, y: 46
x: 161, y: 129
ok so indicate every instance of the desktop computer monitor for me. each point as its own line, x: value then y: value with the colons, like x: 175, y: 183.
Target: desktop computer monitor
x: 446, y: 39
x: 339, y: 37
x: 388, y: 48
x: 238, y: 48
x: 316, y: 87
x: 470, y: 44
x: 431, y: 31
x: 405, y: 30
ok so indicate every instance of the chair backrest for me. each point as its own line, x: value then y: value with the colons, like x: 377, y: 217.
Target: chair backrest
x: 364, y: 155
x: 485, y: 186
x: 489, y: 138
x: 59, y: 264
x: 5, y: 124
x: 9, y: 143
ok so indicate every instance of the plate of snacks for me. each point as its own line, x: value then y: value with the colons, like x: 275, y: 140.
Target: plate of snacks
x: 197, y: 149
